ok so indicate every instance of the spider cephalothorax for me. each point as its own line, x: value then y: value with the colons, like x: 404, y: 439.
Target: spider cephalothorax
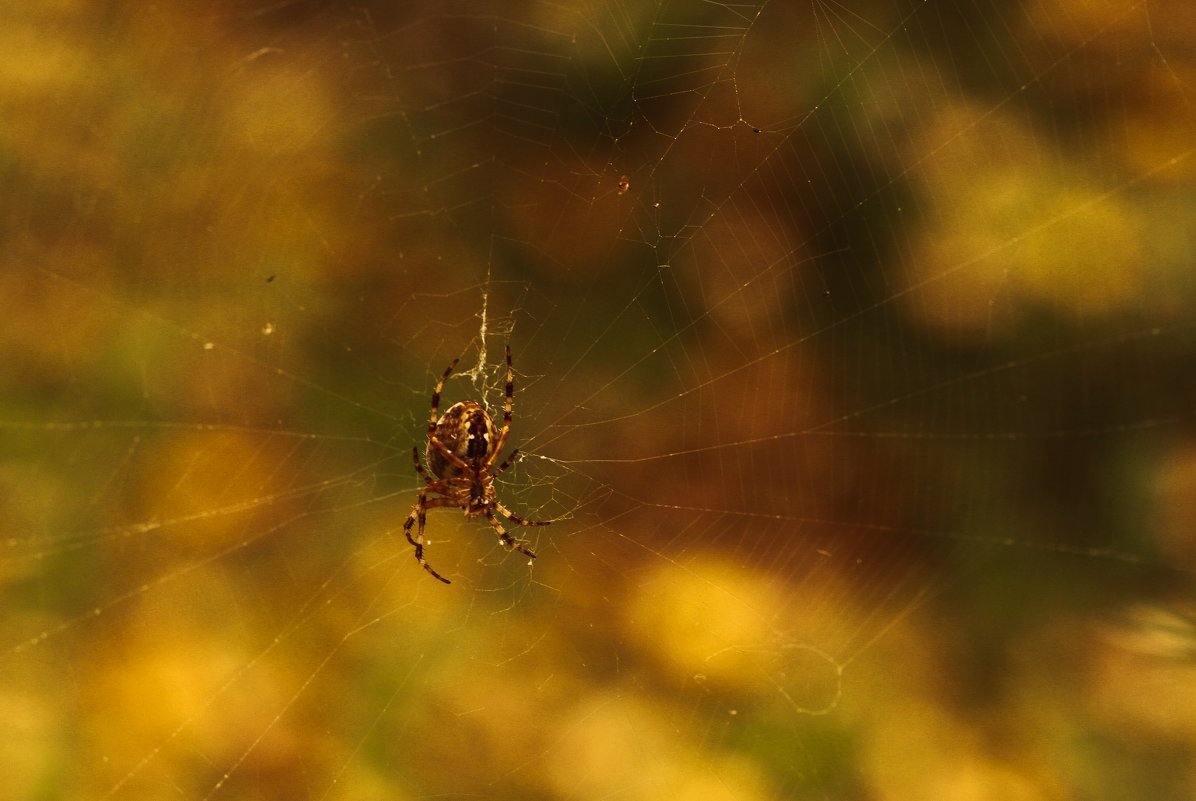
x: 463, y: 446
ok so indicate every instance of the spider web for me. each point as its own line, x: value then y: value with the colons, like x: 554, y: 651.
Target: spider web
x: 854, y: 367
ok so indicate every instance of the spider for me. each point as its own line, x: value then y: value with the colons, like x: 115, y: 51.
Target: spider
x: 463, y: 446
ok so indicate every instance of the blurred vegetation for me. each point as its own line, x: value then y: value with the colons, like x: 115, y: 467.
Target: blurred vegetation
x: 864, y: 405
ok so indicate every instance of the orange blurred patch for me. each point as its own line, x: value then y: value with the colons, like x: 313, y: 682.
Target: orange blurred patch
x: 207, y: 490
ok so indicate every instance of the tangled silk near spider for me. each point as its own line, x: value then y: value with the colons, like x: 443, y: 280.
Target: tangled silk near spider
x: 461, y: 450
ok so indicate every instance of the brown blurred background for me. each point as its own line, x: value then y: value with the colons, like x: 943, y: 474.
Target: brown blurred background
x: 855, y: 368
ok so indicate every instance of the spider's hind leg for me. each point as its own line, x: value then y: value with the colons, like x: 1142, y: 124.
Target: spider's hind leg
x: 420, y: 514
x: 516, y: 519
x: 507, y: 539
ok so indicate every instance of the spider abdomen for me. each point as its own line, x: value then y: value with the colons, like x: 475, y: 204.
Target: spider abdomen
x: 467, y: 432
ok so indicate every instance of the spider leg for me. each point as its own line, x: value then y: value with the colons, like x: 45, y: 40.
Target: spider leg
x: 434, y: 415
x: 504, y: 511
x: 450, y: 457
x: 508, y: 409
x: 516, y: 519
x: 505, y: 463
x: 443, y: 503
x: 419, y: 468
x: 420, y: 513
x: 508, y: 540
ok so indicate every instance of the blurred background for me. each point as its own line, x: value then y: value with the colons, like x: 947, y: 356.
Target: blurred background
x: 854, y: 366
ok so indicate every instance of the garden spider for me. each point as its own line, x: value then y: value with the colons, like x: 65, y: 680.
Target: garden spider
x: 461, y: 451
